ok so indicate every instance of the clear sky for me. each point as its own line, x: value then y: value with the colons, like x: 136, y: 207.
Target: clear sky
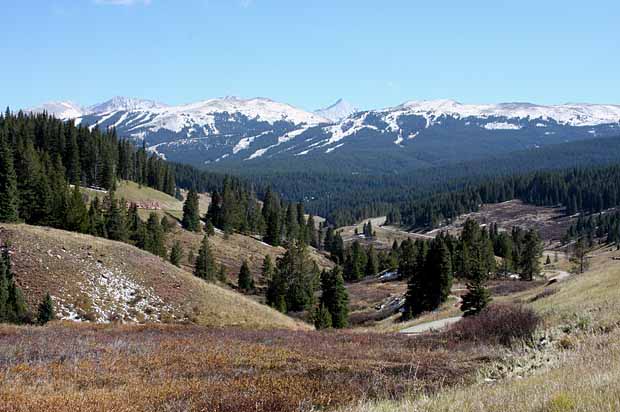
x: 374, y: 53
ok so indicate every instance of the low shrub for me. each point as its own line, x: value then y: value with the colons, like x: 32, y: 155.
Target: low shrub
x: 497, y: 324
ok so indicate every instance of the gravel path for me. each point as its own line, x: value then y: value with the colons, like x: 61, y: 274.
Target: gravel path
x: 431, y: 326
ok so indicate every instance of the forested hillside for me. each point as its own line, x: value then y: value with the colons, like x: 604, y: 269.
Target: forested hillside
x: 345, y: 198
x: 588, y: 190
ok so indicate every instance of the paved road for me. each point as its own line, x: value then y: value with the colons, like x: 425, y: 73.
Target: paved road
x: 431, y: 326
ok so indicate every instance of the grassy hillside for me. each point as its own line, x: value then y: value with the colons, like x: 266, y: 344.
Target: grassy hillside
x: 100, y: 280
x: 232, y: 250
x: 575, y: 365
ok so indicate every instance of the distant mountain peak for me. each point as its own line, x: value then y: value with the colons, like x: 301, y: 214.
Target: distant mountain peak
x: 122, y: 103
x: 337, y: 111
x: 60, y: 109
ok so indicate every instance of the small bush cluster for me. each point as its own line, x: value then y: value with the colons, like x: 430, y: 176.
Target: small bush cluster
x: 497, y: 324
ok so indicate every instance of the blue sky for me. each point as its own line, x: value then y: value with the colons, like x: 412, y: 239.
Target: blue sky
x: 309, y: 53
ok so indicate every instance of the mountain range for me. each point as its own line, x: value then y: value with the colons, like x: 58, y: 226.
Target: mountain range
x: 236, y: 133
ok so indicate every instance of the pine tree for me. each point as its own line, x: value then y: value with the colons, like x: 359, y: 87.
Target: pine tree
x: 322, y: 318
x: 15, y: 310
x: 531, y: 255
x: 115, y: 224
x: 191, y: 212
x: 292, y: 226
x: 477, y: 296
x: 77, y: 214
x: 548, y: 261
x: 46, y: 310
x: 272, y: 235
x: 579, y: 256
x: 267, y: 271
x: 221, y: 274
x: 313, y: 235
x: 176, y: 253
x: 276, y: 291
x: 209, y: 229
x: 204, y: 267
x: 155, y: 237
x: 335, y: 297
x: 9, y: 198
x: 5, y: 310
x: 245, y: 282
x: 372, y: 264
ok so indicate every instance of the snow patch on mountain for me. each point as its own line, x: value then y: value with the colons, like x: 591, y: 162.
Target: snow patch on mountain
x: 61, y: 109
x: 566, y: 114
x: 337, y: 111
x: 501, y: 126
x: 126, y: 104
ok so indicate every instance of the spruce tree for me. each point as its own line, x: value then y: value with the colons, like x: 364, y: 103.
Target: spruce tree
x: 531, y: 255
x: 77, y: 214
x: 267, y: 271
x: 335, y: 297
x: 176, y: 253
x: 372, y: 263
x: 276, y: 291
x: 477, y: 296
x: 322, y: 317
x: 45, y: 311
x: 245, y: 281
x: 115, y: 224
x: 204, y: 267
x: 155, y: 236
x: 272, y: 235
x: 9, y: 199
x: 209, y: 229
x: 191, y: 212
x: 14, y: 303
x: 221, y: 274
x: 579, y: 256
x: 313, y: 236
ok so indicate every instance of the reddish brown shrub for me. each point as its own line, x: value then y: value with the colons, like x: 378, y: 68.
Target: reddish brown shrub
x: 497, y: 324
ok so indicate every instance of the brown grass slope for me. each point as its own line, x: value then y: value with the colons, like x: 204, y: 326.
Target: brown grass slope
x: 100, y: 280
x: 574, y: 367
x: 233, y: 249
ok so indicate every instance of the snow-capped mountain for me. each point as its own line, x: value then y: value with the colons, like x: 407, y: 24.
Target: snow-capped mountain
x: 337, y: 111
x: 60, y: 109
x: 119, y: 103
x: 234, y: 131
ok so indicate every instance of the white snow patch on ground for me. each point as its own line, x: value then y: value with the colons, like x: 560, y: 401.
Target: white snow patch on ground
x: 501, y: 126
x: 112, y: 296
x: 331, y: 149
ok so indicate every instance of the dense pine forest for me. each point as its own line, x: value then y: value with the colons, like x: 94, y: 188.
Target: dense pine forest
x: 587, y: 190
x: 345, y: 198
x: 41, y: 156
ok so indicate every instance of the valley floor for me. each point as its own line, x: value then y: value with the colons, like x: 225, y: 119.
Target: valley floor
x: 72, y: 367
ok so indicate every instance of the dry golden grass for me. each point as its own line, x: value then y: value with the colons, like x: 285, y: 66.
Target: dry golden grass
x: 64, y: 367
x: 577, y: 369
x: 74, y: 268
x: 587, y: 380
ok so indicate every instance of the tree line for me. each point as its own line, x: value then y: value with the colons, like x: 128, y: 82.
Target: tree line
x: 40, y: 157
x: 581, y: 190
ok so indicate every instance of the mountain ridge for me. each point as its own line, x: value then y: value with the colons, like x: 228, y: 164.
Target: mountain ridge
x: 236, y: 130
